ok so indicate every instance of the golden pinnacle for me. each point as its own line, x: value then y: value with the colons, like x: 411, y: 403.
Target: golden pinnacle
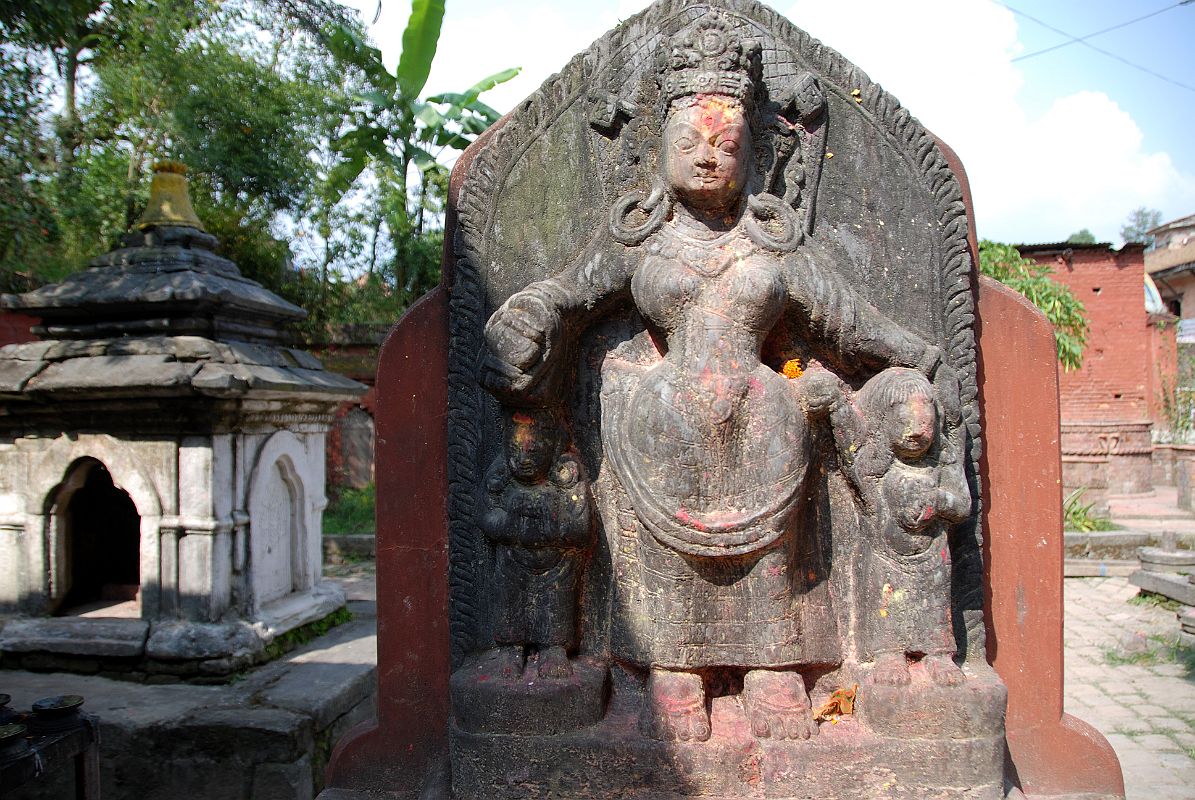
x: 169, y: 198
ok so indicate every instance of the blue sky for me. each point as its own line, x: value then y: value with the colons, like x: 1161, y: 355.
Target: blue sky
x: 1053, y: 143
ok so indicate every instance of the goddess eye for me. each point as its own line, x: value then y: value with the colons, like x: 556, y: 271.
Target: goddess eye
x: 728, y: 146
x: 685, y: 144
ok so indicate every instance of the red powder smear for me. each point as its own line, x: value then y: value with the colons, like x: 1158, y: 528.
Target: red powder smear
x: 719, y: 111
x: 683, y: 517
x: 522, y: 419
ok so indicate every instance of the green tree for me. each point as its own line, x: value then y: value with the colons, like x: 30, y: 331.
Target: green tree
x: 28, y: 225
x: 1083, y: 236
x: 315, y: 167
x: 1065, y: 312
x: 1139, y: 222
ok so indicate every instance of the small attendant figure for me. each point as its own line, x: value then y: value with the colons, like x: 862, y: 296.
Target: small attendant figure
x: 918, y: 492
x: 539, y: 518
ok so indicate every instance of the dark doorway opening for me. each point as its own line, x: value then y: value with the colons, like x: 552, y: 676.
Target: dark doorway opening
x: 102, y: 538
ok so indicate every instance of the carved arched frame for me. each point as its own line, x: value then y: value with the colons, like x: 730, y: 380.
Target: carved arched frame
x: 614, y: 62
x: 284, y: 451
x: 60, y: 471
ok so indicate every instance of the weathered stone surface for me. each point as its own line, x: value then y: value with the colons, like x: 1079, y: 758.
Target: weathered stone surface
x: 488, y: 702
x: 922, y: 710
x: 240, y: 379
x: 766, y: 393
x: 15, y: 374
x: 843, y: 761
x: 143, y: 276
x: 185, y: 641
x: 1156, y: 559
x: 76, y: 636
x: 326, y: 683
x: 26, y: 351
x: 113, y: 374
x: 271, y: 734
x: 283, y: 781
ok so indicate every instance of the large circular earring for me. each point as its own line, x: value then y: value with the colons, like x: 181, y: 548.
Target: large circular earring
x: 657, y: 204
x: 768, y: 208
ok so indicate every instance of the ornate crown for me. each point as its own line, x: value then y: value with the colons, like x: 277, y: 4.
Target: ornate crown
x: 709, y: 58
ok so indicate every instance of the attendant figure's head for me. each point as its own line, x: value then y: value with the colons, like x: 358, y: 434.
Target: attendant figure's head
x: 534, y: 440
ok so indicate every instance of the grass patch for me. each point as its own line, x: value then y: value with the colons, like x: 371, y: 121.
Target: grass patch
x: 351, y: 511
x: 305, y: 633
x: 1144, y: 598
x: 1160, y: 650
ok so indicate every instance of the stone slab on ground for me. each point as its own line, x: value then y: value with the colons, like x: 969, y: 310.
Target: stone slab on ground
x: 266, y: 736
x: 1172, y: 585
x: 1099, y: 568
x: 1152, y: 512
x: 83, y: 637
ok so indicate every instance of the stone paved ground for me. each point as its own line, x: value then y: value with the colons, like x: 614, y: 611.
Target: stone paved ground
x: 1124, y: 676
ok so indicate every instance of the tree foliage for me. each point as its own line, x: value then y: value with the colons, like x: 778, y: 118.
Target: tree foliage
x: 1031, y: 279
x: 1138, y: 224
x: 299, y: 141
x: 1083, y: 236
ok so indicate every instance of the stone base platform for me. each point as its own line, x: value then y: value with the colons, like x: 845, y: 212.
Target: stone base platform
x: 266, y: 736
x: 944, y: 744
x: 165, y: 651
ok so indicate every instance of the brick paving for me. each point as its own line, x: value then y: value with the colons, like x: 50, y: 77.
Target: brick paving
x: 1124, y: 676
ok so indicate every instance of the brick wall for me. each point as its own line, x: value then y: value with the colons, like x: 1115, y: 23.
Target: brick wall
x: 1117, y: 380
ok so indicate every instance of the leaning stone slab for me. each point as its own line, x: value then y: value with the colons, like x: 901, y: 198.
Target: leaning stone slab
x: 84, y: 637
x: 1176, y: 587
x: 292, y: 611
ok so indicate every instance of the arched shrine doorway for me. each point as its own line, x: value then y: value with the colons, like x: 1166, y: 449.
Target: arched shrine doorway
x: 98, y: 543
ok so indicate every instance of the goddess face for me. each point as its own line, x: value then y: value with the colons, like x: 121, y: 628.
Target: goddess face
x: 707, y: 152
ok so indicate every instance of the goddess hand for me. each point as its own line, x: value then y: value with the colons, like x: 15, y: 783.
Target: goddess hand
x: 519, y: 339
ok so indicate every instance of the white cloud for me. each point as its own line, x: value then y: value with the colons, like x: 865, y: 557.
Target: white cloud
x: 1079, y: 164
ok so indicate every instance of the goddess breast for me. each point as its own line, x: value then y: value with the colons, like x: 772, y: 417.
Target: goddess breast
x: 677, y: 284
x: 710, y: 444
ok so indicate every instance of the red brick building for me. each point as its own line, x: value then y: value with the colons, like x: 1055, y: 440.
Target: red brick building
x: 1111, y: 405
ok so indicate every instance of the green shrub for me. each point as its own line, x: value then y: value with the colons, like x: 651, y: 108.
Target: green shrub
x: 351, y: 511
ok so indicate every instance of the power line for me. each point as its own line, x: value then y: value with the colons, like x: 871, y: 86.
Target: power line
x: 1078, y: 39
x: 1082, y: 39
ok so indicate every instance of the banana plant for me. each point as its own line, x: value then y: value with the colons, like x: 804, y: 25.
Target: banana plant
x: 390, y: 127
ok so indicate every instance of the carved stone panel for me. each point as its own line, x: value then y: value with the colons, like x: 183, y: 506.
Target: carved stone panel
x: 713, y: 428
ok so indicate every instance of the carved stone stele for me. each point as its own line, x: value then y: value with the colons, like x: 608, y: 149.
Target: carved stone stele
x: 714, y: 434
